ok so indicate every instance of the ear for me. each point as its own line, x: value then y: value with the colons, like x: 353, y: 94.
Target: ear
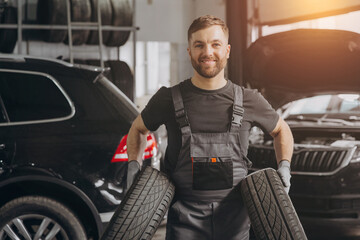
x: 228, y: 47
x: 189, y: 51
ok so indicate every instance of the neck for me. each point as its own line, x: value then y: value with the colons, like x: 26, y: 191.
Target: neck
x: 214, y: 83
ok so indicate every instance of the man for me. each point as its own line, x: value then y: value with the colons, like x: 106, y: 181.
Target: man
x: 208, y: 120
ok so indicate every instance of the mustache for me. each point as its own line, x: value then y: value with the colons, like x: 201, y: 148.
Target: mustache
x: 208, y: 59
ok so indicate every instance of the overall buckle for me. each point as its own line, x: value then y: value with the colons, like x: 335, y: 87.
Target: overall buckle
x: 181, y: 118
x: 238, y: 112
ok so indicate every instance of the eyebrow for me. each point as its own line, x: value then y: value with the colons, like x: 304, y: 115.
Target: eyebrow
x: 198, y: 41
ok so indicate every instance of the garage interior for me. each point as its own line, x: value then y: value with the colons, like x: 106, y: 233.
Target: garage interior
x: 152, y: 50
x: 156, y: 48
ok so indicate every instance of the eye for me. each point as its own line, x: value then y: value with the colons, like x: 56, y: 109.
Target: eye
x: 198, y: 45
x: 216, y: 44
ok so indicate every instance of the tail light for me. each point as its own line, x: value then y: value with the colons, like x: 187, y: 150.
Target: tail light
x: 121, y: 151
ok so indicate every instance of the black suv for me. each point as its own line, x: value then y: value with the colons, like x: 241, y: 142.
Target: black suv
x: 62, y: 148
x: 312, y: 77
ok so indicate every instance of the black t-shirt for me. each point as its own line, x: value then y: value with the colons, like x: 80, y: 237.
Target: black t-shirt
x: 208, y: 111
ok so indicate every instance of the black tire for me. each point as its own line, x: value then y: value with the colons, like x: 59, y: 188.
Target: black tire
x: 8, y: 37
x: 80, y: 12
x: 52, y: 12
x: 270, y: 209
x: 143, y: 207
x: 32, y: 211
x: 106, y: 18
x: 122, y: 14
x: 122, y: 77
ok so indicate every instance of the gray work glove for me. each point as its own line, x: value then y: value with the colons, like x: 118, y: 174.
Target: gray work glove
x: 133, y: 170
x: 284, y: 174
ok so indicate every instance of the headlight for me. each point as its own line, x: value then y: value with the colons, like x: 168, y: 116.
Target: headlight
x: 356, y: 155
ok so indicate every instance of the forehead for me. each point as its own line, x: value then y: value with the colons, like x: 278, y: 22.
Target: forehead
x: 209, y: 34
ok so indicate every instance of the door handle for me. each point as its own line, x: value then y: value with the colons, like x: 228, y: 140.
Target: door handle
x: 2, y: 146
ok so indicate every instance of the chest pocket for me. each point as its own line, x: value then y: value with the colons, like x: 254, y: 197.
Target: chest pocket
x: 212, y: 164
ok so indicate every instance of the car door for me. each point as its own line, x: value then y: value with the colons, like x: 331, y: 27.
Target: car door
x: 7, y: 144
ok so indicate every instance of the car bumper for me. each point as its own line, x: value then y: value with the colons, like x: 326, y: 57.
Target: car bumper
x: 320, y: 228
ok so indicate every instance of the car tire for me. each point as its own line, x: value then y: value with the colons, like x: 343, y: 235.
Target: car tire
x: 122, y: 77
x: 270, y: 209
x: 143, y: 207
x: 53, y: 13
x: 106, y: 18
x: 37, y: 213
x: 8, y: 37
x: 122, y: 15
x: 80, y: 12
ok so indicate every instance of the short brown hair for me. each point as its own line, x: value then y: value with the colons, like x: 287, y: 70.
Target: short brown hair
x: 205, y: 22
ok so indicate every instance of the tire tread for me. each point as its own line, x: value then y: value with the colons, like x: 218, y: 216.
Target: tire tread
x: 143, y: 207
x: 270, y: 209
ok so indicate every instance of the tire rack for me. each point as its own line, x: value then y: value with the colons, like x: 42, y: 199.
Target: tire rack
x: 75, y: 26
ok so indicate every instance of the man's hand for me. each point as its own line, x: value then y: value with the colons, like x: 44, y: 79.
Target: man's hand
x: 284, y: 174
x: 133, y: 170
x: 136, y: 143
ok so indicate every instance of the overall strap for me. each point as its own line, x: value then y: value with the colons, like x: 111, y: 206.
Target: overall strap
x: 180, y: 114
x: 238, y: 109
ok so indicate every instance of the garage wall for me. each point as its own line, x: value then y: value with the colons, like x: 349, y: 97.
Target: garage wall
x: 168, y: 20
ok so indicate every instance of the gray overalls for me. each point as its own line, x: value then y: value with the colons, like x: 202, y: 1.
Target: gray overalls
x: 208, y: 203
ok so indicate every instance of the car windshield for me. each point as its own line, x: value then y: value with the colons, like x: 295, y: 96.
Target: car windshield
x: 336, y: 108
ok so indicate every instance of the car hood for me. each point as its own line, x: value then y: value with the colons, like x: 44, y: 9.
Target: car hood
x: 290, y: 65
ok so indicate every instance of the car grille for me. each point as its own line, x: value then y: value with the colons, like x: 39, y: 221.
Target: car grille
x: 310, y: 161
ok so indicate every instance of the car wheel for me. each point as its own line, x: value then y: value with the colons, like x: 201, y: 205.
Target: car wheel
x: 270, y: 209
x: 8, y: 37
x: 36, y: 217
x: 52, y: 12
x: 121, y: 16
x: 143, y: 207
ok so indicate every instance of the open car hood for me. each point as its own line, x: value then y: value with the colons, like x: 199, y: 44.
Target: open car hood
x: 290, y: 65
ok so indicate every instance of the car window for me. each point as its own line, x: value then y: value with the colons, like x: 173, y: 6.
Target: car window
x: 350, y: 103
x: 32, y: 97
x: 317, y: 104
x: 335, y: 105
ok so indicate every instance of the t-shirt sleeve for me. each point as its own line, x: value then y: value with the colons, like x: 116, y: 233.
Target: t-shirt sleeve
x: 158, y: 110
x: 263, y: 114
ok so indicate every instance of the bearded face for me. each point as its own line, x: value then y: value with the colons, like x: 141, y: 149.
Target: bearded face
x: 209, y: 51
x: 208, y: 66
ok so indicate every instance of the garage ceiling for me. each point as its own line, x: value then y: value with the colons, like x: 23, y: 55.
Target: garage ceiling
x: 277, y: 12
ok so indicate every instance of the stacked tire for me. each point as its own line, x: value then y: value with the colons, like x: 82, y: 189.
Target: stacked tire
x: 120, y: 74
x: 8, y: 37
x: 113, y: 13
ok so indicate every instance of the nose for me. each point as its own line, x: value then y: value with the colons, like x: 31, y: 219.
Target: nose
x: 208, y: 50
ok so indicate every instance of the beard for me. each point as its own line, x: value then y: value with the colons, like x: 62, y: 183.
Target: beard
x: 209, y: 71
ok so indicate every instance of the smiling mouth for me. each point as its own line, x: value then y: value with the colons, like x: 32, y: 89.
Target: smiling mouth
x: 208, y: 61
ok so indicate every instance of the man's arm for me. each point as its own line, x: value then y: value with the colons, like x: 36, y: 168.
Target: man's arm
x: 283, y: 144
x: 283, y: 141
x: 136, y: 143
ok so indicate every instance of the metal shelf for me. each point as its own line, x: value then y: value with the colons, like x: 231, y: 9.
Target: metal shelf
x: 75, y: 26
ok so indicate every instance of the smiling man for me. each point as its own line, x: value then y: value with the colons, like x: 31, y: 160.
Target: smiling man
x: 208, y: 119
